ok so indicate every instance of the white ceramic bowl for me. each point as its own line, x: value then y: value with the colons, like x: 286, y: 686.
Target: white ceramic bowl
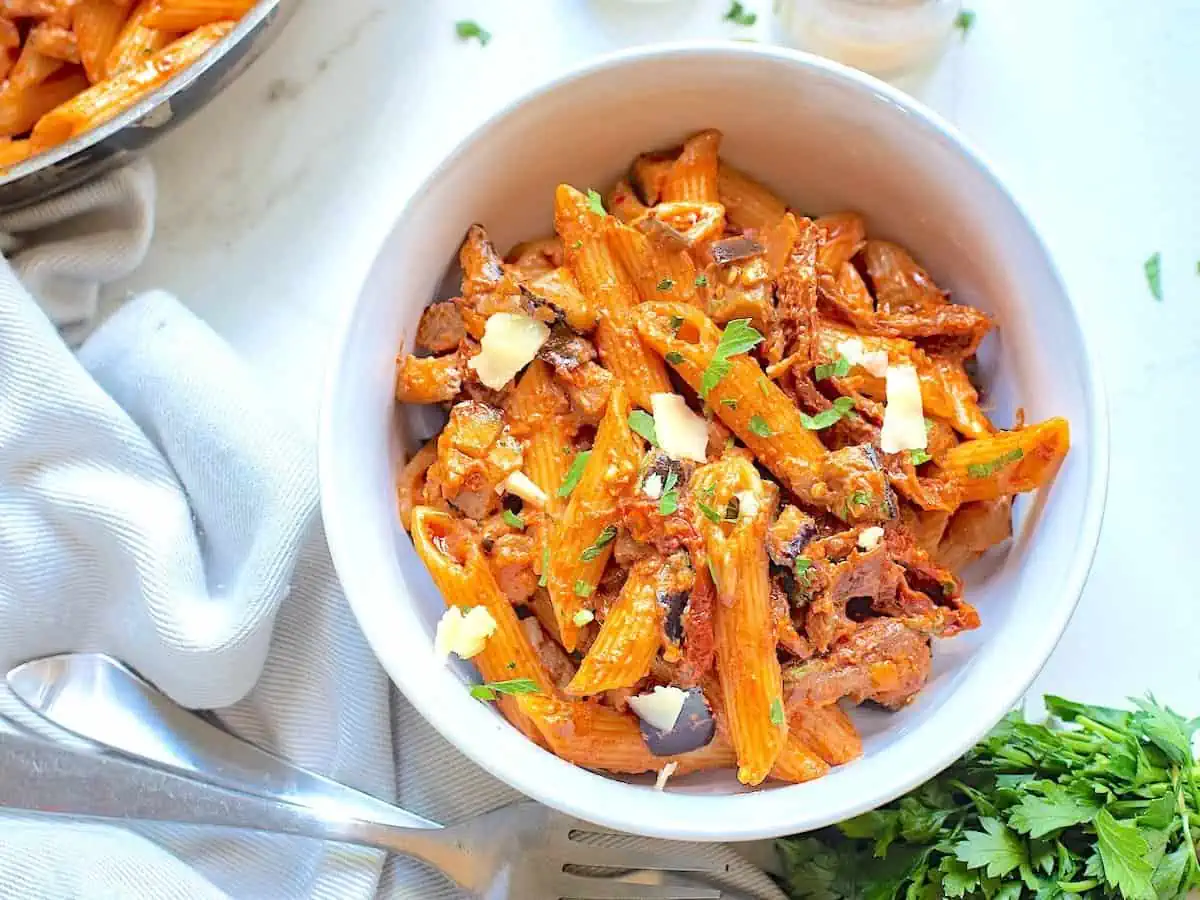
x: 827, y: 138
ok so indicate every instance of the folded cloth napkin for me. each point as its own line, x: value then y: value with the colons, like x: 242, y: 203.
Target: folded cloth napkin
x: 154, y: 505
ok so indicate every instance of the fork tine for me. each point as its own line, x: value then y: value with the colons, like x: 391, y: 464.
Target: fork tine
x: 576, y: 853
x: 579, y: 887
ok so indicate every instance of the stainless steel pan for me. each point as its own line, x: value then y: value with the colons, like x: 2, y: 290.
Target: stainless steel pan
x: 120, y: 140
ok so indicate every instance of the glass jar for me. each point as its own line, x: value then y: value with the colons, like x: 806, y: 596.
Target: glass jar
x: 884, y: 37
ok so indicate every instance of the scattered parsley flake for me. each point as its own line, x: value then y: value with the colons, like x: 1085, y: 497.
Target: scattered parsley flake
x: 702, y: 280
x: 764, y: 385
x: 574, y: 473
x: 583, y: 589
x: 731, y: 402
x: 510, y: 665
x: 825, y: 418
x: 760, y: 427
x: 739, y: 15
x: 642, y: 423
x: 1153, y: 267
x: 709, y: 513
x: 468, y: 28
x: 777, y: 716
x: 665, y: 285
x: 545, y: 577
x: 669, y: 501
x: 738, y: 337
x: 839, y: 368
x: 674, y: 357
x: 513, y: 520
x: 577, y: 244
x: 803, y: 565
x: 676, y: 323
x: 492, y: 689
x: 712, y: 572
x: 916, y: 457
x: 965, y: 21
x: 986, y: 470
x: 606, y: 537
x: 595, y: 203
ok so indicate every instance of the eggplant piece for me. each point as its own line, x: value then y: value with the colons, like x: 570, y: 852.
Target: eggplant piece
x: 668, y: 236
x: 565, y: 350
x: 658, y: 463
x: 789, y: 534
x: 693, y: 729
x: 733, y: 249
x: 675, y: 604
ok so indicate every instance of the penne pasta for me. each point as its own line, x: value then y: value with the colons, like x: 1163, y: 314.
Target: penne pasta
x: 97, y: 24
x: 828, y: 731
x: 21, y: 109
x: 748, y: 204
x: 136, y: 42
x: 428, y: 379
x: 186, y: 15
x: 658, y: 272
x: 411, y: 481
x: 693, y: 176
x: 1009, y: 462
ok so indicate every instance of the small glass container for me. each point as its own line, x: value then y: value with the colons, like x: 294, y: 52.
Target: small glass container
x: 884, y: 37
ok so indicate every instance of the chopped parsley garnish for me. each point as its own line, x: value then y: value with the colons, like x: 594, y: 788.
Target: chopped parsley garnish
x: 709, y: 491
x: 643, y: 423
x: 595, y: 203
x: 916, y: 457
x: 510, y: 665
x: 674, y: 357
x: 739, y: 15
x: 738, y: 337
x: 965, y: 21
x: 669, y: 501
x: 731, y: 402
x: 606, y: 537
x: 492, y: 689
x: 513, y: 520
x: 709, y: 513
x: 577, y: 244
x: 468, y: 28
x: 583, y: 589
x: 986, y: 470
x: 676, y: 323
x: 574, y: 473
x: 712, y: 572
x: 760, y: 427
x: 665, y: 285
x: 764, y: 385
x: 840, y: 368
x: 1153, y: 267
x: 860, y: 498
x: 777, y: 716
x: 545, y: 566
x: 825, y: 418
x: 928, y: 425
x: 803, y: 565
x: 702, y: 280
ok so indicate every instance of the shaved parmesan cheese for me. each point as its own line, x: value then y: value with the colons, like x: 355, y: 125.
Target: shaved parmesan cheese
x: 520, y: 485
x: 663, y: 774
x: 660, y: 708
x: 463, y: 635
x: 681, y: 433
x: 904, y: 416
x: 874, y: 361
x: 869, y: 538
x: 582, y: 617
x: 653, y: 486
x: 747, y: 504
x: 510, y: 342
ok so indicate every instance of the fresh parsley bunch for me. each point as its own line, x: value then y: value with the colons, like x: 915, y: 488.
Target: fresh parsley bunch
x: 1107, y: 808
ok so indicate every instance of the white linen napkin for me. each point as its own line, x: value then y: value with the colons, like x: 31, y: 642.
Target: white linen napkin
x: 154, y: 505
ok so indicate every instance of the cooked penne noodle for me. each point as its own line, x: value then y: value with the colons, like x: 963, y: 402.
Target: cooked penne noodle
x: 537, y: 413
x: 659, y: 273
x: 186, y: 15
x: 606, y: 284
x: 54, y: 41
x: 1009, y: 462
x: 428, y: 379
x: 575, y: 569
x: 798, y: 762
x: 137, y: 41
x: 410, y: 481
x: 14, y: 152
x: 558, y: 288
x: 98, y: 24
x: 749, y: 672
x: 693, y: 176
x: 20, y: 109
x: 828, y: 731
x: 462, y: 575
x: 748, y: 204
x: 31, y: 69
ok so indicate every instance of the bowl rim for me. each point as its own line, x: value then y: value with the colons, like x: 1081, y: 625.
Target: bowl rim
x: 739, y: 824
x: 177, y: 84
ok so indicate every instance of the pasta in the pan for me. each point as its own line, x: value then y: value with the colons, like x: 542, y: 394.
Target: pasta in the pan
x: 710, y: 468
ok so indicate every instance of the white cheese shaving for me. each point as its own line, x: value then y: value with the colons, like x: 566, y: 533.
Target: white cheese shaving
x: 653, y: 486
x: 747, y: 504
x: 660, y: 709
x: 681, y: 433
x: 463, y: 635
x: 584, y: 616
x: 869, y: 538
x: 663, y: 774
x: 510, y: 342
x: 874, y: 361
x: 519, y: 484
x: 904, y: 416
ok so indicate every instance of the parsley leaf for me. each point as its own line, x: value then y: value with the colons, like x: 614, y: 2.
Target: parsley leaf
x: 738, y: 337
x: 986, y: 470
x: 1055, y: 808
x: 606, y: 537
x: 574, y: 473
x: 642, y: 423
x: 825, y: 418
x: 467, y: 29
x: 665, y: 285
x: 1124, y: 852
x: 760, y: 427
x: 1153, y: 267
x: 840, y: 368
x: 513, y: 520
x: 583, y: 589
x: 777, y: 716
x: 731, y: 402
x: 965, y: 21
x: 995, y: 849
x: 918, y: 456
x: 492, y: 689
x: 709, y: 513
x: 676, y: 323
x: 545, y: 576
x: 669, y: 501
x: 764, y: 385
x: 595, y: 202
x: 739, y: 15
x: 702, y: 280
x: 674, y: 357
x: 803, y: 566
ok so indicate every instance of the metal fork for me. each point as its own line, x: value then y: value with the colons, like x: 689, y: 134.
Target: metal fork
x: 520, y: 852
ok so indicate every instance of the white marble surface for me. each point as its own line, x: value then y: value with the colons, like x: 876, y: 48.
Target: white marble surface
x: 274, y: 200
